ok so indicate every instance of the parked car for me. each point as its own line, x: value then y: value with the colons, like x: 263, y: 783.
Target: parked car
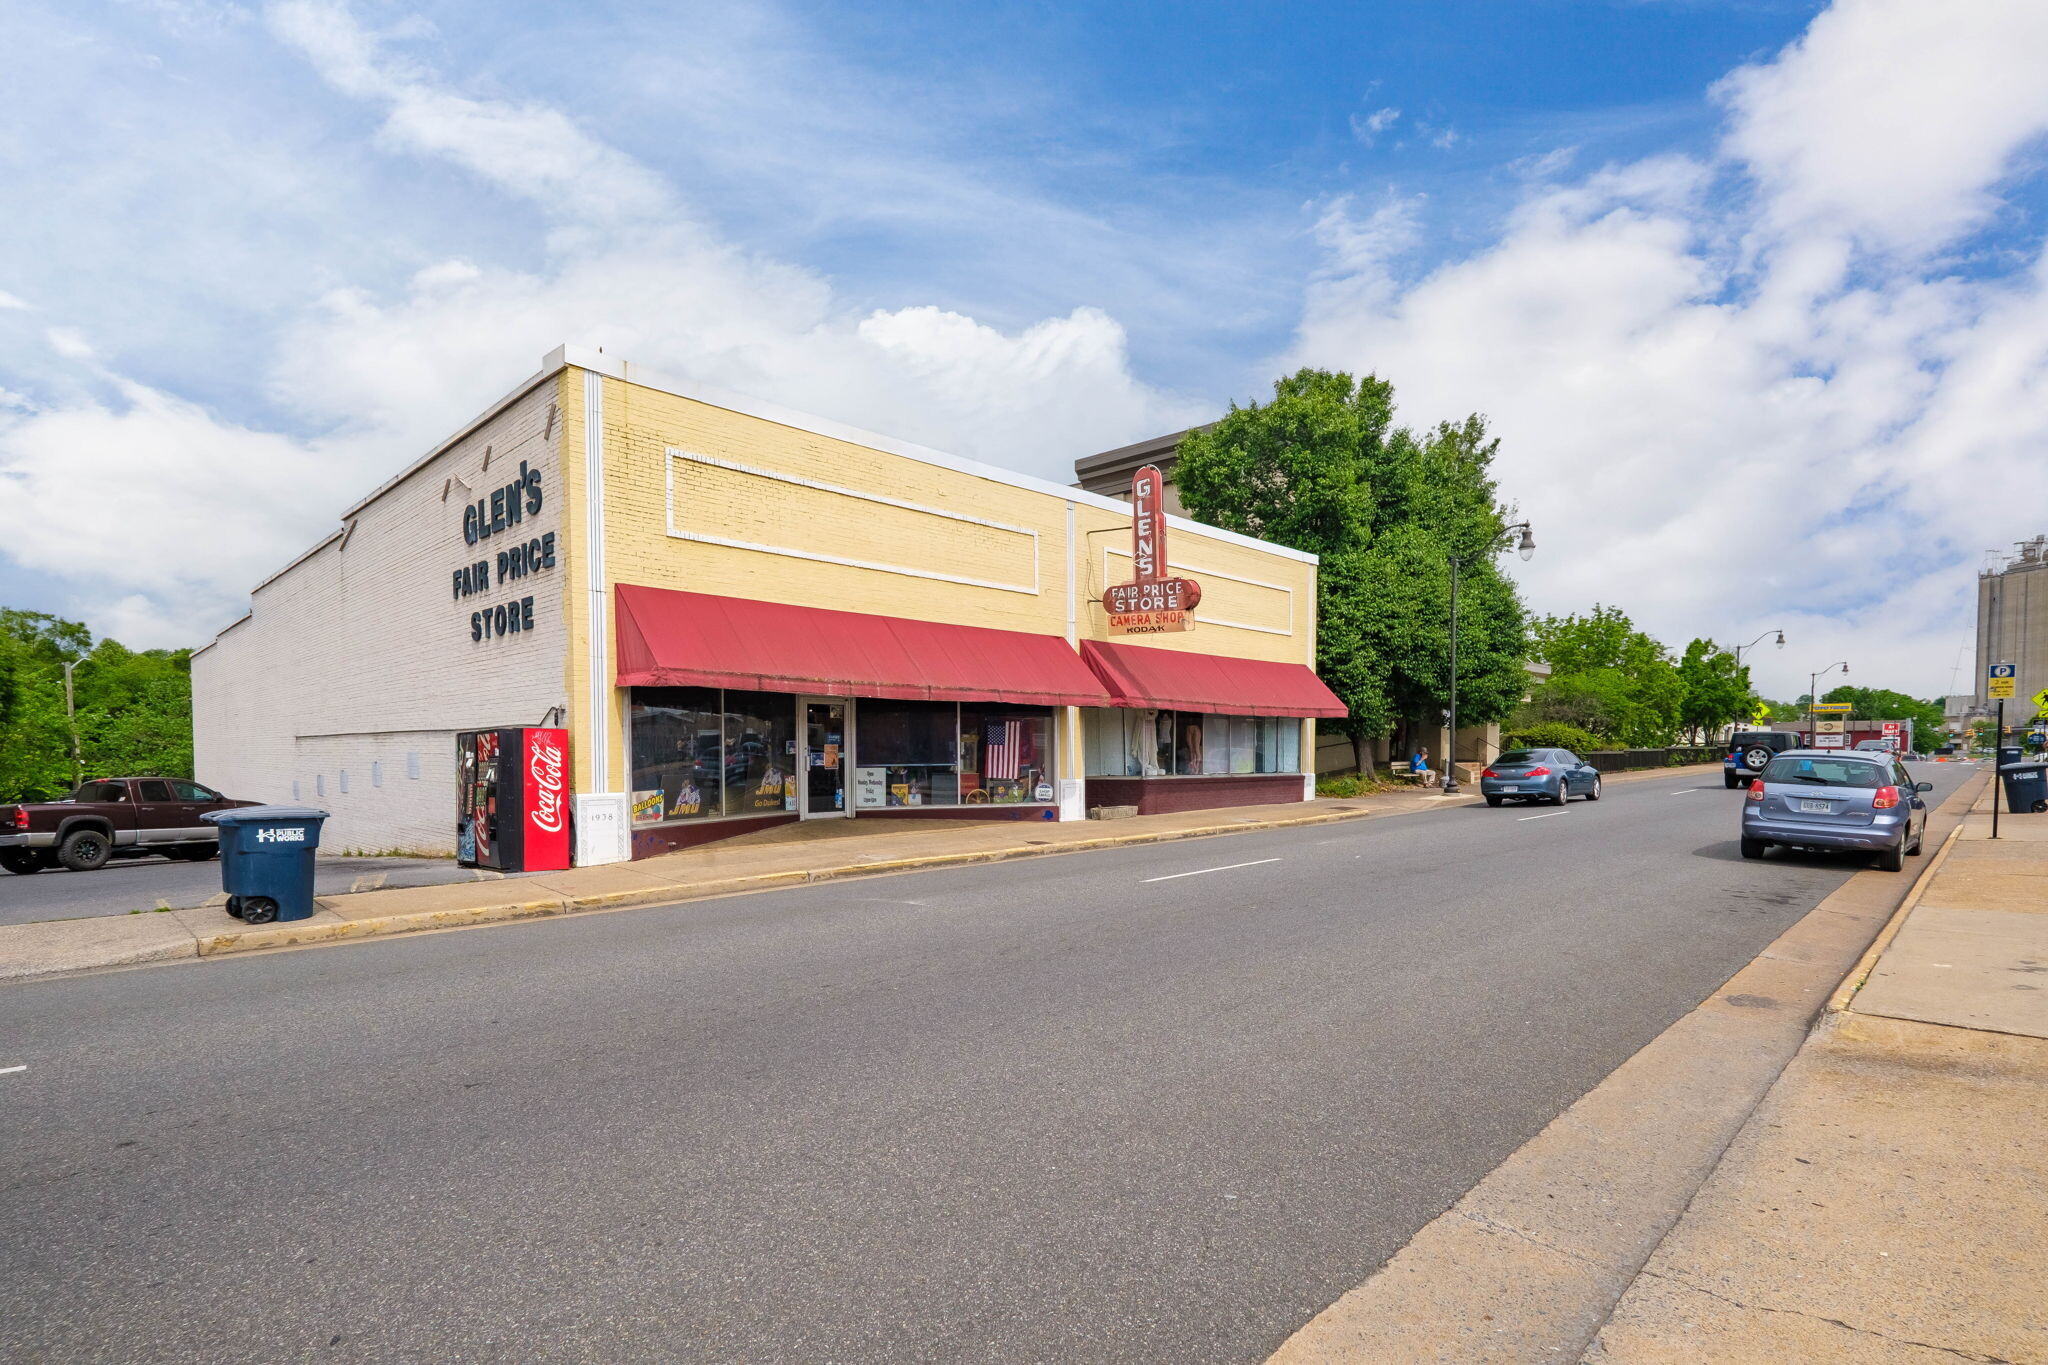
x: 1836, y: 799
x: 1751, y: 751
x: 112, y: 817
x: 1553, y: 775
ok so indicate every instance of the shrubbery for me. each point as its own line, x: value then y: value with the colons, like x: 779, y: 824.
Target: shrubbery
x: 1552, y: 734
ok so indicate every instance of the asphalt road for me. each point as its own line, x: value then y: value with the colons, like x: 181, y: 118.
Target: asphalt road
x: 1081, y: 1108
x: 147, y: 883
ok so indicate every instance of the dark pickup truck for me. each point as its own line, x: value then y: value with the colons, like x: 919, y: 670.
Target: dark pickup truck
x: 115, y: 817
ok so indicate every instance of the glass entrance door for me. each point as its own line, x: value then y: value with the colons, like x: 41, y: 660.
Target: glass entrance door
x: 825, y: 758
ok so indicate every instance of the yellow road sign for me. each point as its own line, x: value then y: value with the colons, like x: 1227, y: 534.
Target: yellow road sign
x: 2000, y: 682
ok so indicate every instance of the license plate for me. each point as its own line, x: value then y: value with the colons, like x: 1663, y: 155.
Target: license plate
x: 1510, y: 789
x: 1816, y: 807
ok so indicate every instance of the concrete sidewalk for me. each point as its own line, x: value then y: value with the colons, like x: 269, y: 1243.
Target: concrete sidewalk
x: 1888, y: 1201
x: 788, y: 856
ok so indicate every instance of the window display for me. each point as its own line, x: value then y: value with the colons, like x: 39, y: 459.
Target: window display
x: 943, y: 754
x: 702, y: 753
x: 699, y: 752
x: 1142, y: 743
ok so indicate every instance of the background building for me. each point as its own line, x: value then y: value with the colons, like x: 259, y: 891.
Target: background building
x: 746, y: 616
x: 2012, y: 624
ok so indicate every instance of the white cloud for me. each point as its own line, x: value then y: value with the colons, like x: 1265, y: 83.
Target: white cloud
x: 1893, y: 120
x: 1733, y: 391
x: 381, y: 373
x: 1368, y: 129
x: 528, y: 150
x: 1722, y: 415
x: 151, y: 500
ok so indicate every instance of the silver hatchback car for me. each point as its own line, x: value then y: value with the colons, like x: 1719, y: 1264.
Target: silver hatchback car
x: 1831, y: 798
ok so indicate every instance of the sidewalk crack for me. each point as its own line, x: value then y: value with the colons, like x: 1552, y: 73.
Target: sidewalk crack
x: 1835, y: 1322
x: 1495, y: 1225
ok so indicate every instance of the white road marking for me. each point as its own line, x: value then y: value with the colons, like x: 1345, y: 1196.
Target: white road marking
x: 10, y: 1070
x: 1171, y: 876
x: 1545, y: 816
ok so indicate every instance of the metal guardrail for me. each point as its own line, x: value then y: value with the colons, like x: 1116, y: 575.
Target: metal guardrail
x: 1624, y: 760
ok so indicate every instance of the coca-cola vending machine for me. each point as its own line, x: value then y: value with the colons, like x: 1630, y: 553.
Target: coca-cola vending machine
x: 512, y: 799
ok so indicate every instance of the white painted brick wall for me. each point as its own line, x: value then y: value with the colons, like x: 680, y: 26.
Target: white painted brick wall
x: 360, y: 655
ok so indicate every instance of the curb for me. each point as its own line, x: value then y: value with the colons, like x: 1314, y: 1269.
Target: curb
x: 328, y: 926
x: 328, y: 931
x: 302, y: 932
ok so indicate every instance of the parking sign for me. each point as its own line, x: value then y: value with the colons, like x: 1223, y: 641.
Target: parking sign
x: 2001, y: 681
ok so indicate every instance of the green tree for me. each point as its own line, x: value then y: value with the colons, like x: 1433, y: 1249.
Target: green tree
x: 133, y: 710
x: 1881, y: 703
x: 1603, y: 668
x: 1321, y: 468
x: 1716, y: 689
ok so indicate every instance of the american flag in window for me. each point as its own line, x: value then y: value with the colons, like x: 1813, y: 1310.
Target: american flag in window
x: 1002, y: 746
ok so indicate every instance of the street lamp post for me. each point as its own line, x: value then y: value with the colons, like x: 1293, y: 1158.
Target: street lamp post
x: 1754, y: 643
x: 1525, y: 548
x: 1813, y: 699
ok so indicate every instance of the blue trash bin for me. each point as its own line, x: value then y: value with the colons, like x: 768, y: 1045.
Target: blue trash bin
x: 2026, y: 787
x: 266, y: 860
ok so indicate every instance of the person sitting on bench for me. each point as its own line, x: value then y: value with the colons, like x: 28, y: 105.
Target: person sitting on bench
x: 1418, y: 767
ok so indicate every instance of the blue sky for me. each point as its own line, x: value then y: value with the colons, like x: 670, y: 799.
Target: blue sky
x: 264, y: 253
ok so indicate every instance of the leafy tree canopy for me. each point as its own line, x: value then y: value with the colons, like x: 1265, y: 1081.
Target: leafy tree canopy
x: 1881, y: 703
x: 1322, y: 468
x: 134, y: 709
x: 1716, y: 689
x: 1607, y: 677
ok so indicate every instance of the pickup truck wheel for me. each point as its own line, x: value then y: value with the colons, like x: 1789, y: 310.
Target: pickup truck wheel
x: 21, y: 861
x: 85, y: 850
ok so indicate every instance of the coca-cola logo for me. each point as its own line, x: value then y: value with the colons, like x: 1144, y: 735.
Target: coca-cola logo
x: 544, y: 766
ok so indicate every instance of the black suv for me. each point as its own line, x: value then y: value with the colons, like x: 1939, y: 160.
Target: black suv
x: 1751, y: 751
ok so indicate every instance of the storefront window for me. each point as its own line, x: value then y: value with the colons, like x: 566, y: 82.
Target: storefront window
x: 699, y: 752
x: 677, y: 737
x: 1143, y: 743
x: 760, y: 753
x: 912, y: 753
x: 914, y: 743
x: 1005, y: 755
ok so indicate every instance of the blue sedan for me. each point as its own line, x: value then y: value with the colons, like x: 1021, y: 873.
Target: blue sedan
x: 1552, y: 775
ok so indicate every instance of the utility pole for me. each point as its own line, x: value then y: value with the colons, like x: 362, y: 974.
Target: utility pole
x: 71, y: 721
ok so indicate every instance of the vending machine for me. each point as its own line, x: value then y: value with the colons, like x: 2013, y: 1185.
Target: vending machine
x: 512, y: 799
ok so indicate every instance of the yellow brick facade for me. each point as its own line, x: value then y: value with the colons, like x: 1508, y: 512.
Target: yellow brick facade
x: 716, y: 495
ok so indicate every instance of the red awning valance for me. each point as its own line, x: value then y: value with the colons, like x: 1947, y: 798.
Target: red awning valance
x: 693, y: 639
x: 1183, y: 681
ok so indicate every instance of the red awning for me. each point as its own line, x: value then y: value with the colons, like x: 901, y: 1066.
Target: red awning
x: 692, y: 639
x: 1181, y: 681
